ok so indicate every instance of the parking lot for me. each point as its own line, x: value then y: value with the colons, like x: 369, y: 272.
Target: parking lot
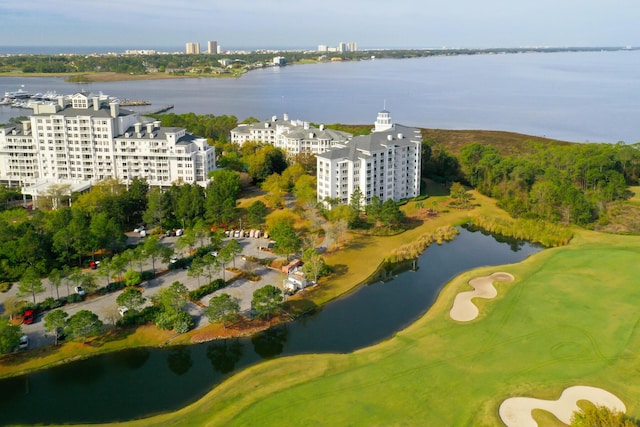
x: 106, y: 308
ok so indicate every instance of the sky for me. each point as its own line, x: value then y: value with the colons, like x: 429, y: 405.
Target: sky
x: 138, y: 24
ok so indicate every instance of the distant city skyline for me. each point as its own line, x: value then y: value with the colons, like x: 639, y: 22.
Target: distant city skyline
x: 401, y: 24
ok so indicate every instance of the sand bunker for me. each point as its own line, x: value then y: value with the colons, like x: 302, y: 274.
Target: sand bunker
x: 516, y: 411
x: 463, y: 309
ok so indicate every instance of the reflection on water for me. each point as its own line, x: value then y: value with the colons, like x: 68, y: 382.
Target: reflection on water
x: 225, y: 354
x: 179, y: 360
x: 138, y: 382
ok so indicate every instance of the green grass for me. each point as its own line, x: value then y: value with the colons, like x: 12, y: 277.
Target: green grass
x: 570, y: 318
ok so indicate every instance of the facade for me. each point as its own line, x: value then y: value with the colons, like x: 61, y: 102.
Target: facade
x: 212, y: 47
x: 385, y: 163
x: 293, y: 136
x: 193, y: 48
x: 84, y: 139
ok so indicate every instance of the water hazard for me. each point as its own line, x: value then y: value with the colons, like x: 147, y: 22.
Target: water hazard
x: 140, y: 382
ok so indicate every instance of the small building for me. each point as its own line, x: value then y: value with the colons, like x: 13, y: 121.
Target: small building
x: 288, y: 269
x: 293, y: 284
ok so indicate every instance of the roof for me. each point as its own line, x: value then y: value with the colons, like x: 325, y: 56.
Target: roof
x: 359, y: 146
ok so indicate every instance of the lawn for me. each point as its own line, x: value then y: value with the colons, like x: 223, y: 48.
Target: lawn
x: 569, y: 318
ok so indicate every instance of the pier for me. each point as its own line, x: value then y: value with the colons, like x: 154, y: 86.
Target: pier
x: 159, y: 110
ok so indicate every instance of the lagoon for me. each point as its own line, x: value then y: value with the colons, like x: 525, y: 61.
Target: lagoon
x: 140, y: 382
x: 572, y: 96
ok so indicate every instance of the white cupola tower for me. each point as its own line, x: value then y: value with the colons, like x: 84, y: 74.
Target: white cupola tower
x: 383, y: 122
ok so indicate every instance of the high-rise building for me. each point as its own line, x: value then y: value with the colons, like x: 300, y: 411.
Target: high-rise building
x: 193, y: 48
x: 85, y: 139
x: 385, y: 163
x: 352, y: 47
x: 212, y: 47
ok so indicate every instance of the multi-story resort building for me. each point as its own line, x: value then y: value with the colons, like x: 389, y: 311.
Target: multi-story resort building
x: 385, y: 163
x: 82, y: 139
x: 192, y: 48
x: 293, y: 136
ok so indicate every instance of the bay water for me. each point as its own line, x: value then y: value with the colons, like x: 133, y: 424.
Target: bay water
x: 572, y: 96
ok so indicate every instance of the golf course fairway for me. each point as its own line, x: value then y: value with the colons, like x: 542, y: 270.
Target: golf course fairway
x: 569, y: 318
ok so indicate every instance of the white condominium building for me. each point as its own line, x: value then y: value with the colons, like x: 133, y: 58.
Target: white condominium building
x: 293, y: 136
x: 84, y: 139
x: 385, y: 163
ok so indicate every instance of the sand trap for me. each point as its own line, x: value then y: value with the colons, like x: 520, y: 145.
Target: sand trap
x: 516, y: 411
x: 463, y: 309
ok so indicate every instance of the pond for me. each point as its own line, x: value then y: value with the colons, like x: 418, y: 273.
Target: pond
x: 141, y: 382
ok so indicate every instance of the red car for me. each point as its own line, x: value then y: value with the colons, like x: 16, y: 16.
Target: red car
x: 28, y: 317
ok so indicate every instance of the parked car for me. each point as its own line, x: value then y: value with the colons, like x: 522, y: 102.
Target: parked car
x: 170, y: 233
x: 214, y: 253
x: 139, y: 228
x: 94, y: 264
x: 24, y: 342
x: 123, y: 311
x: 173, y: 259
x: 28, y: 317
x: 179, y: 232
x: 80, y: 291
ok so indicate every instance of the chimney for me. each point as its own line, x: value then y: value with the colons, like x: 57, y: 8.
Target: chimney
x: 306, y: 125
x: 137, y: 127
x: 96, y: 103
x: 150, y: 127
x: 115, y: 109
x: 321, y: 127
x: 286, y: 117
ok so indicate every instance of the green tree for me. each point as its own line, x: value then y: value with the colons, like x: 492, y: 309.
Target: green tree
x: 231, y: 250
x: 55, y: 321
x: 304, y: 189
x: 266, y: 301
x: 132, y: 278
x: 83, y: 324
x: 154, y: 250
x: 221, y: 196
x: 314, y: 264
x: 601, y: 416
x: 287, y: 241
x: 55, y: 280
x: 275, y: 186
x: 173, y: 298
x: 256, y: 213
x: 30, y: 283
x: 106, y: 232
x: 119, y: 265
x: 13, y: 306
x: 196, y: 269
x: 223, y: 308
x: 9, y: 336
x: 131, y: 298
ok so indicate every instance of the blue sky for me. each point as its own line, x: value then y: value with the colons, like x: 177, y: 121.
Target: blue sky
x: 306, y: 23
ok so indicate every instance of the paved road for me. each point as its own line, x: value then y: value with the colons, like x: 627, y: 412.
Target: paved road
x: 106, y: 308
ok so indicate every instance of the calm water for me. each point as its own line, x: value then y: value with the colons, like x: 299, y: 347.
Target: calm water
x: 136, y: 383
x: 586, y: 96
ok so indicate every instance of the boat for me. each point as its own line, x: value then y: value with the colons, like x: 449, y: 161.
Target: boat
x: 19, y: 94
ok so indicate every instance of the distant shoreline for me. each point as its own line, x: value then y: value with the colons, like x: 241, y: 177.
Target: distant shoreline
x: 308, y: 58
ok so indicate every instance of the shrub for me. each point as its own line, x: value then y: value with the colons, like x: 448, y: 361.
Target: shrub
x: 74, y: 298
x: 207, y: 289
x: 5, y: 286
x: 115, y: 286
x: 142, y: 317
x: 147, y: 275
